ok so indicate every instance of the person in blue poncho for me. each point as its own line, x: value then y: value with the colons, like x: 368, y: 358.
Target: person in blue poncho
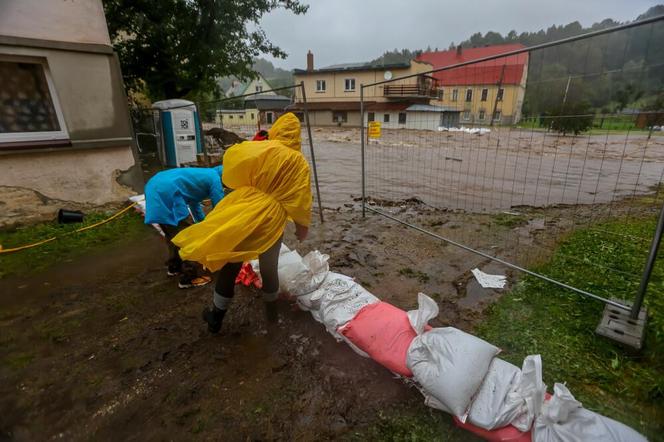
x: 171, y: 196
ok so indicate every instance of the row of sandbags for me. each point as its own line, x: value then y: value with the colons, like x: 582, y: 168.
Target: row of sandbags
x: 456, y: 372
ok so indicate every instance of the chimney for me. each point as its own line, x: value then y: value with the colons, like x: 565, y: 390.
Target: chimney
x: 310, y: 61
x: 459, y: 51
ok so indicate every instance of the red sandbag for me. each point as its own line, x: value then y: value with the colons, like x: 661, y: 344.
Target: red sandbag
x: 383, y: 331
x: 505, y: 434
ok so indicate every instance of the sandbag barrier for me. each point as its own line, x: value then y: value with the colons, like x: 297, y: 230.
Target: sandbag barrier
x: 455, y: 371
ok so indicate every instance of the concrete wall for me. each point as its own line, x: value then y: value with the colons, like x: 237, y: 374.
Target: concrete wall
x: 76, y: 21
x: 97, y: 164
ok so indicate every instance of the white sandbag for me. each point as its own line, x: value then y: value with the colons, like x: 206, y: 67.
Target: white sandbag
x: 488, y: 409
x: 563, y: 419
x: 290, y: 269
x: 340, y: 300
x: 450, y: 365
x: 311, y: 301
x: 317, y: 270
x: 297, y: 275
x: 524, y: 402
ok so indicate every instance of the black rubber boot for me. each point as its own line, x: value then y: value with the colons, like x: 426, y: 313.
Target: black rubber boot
x: 271, y: 311
x: 214, y: 317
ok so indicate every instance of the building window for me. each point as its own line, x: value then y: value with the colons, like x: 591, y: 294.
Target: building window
x: 496, y: 116
x: 485, y: 94
x: 230, y: 117
x: 371, y: 116
x: 386, y: 118
x: 340, y: 116
x: 320, y: 85
x: 466, y: 115
x: 29, y: 110
x: 481, y: 115
x: 252, y: 116
x: 499, y: 97
x: 259, y: 88
x: 441, y: 94
x: 402, y: 118
x: 241, y: 117
x: 469, y: 95
x: 349, y: 84
x: 455, y: 94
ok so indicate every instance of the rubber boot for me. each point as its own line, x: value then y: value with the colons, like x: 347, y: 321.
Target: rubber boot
x: 214, y: 317
x: 271, y: 311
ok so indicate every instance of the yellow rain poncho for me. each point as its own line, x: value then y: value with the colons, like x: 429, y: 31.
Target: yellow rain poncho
x: 270, y: 182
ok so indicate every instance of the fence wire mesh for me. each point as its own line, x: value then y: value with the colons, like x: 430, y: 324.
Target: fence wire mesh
x: 546, y: 139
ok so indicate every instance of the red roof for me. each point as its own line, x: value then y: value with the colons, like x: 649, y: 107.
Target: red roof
x: 511, y: 68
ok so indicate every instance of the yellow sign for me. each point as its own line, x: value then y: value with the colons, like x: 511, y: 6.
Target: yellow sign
x: 374, y: 129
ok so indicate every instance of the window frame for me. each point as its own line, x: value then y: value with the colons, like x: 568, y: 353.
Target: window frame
x: 346, y: 80
x: 342, y: 114
x: 464, y: 117
x: 485, y: 94
x: 27, y: 137
x: 386, y: 118
x: 500, y: 94
x: 469, y: 95
x: 404, y: 118
x: 321, y: 82
x: 455, y: 94
x: 371, y: 116
x: 481, y: 115
x: 499, y: 115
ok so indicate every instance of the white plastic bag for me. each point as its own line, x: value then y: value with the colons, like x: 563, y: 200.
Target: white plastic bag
x: 340, y: 300
x: 489, y: 410
x: 563, y: 419
x: 450, y: 365
x: 524, y: 402
x: 427, y: 309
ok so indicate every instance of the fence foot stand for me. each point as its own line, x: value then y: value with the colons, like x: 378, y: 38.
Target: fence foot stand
x: 617, y: 325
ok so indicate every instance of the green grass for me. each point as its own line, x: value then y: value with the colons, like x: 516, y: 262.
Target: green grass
x: 128, y: 225
x: 412, y: 424
x: 541, y: 318
x: 414, y: 274
x: 509, y: 220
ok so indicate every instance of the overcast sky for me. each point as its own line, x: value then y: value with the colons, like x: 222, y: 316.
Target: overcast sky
x: 344, y: 31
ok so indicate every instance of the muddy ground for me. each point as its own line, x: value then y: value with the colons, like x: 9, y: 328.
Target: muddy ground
x: 107, y: 347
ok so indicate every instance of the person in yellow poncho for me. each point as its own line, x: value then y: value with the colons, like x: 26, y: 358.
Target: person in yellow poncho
x: 271, y: 184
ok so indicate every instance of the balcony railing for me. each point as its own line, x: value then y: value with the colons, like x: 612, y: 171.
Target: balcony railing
x: 410, y: 90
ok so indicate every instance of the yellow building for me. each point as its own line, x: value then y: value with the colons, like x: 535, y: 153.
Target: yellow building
x: 489, y: 92
x: 236, y: 117
x: 333, y: 92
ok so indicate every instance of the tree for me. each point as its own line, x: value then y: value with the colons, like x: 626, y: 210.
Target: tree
x: 574, y: 118
x: 178, y: 48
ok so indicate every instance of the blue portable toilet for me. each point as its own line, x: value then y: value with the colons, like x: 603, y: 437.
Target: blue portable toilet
x: 178, y: 131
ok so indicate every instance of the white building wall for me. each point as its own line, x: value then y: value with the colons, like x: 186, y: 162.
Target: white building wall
x: 78, y: 21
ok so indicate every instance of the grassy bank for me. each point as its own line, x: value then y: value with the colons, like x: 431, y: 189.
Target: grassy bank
x: 69, y: 245
x: 540, y: 318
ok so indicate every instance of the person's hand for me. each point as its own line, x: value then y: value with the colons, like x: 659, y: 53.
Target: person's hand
x: 301, y: 232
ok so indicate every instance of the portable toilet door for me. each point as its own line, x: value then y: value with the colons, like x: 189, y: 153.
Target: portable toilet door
x: 180, y: 129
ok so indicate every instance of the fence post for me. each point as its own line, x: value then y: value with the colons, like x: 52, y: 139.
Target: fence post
x: 364, y: 206
x: 647, y: 271
x: 202, y: 134
x: 311, y: 147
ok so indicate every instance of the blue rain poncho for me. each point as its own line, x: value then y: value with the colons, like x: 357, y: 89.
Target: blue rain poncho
x: 170, y: 194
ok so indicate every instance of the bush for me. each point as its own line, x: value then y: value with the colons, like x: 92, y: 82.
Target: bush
x: 573, y: 118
